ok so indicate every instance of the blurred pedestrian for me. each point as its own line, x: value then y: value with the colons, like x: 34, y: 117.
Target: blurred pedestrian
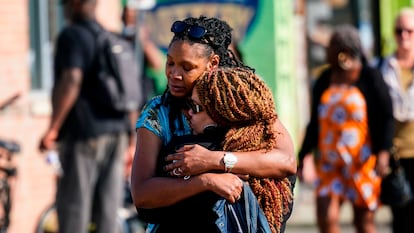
x: 91, y: 142
x: 398, y: 72
x: 151, y: 58
x: 350, y: 132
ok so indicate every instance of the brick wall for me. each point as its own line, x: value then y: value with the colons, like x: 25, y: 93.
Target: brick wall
x: 34, y: 187
x: 13, y: 47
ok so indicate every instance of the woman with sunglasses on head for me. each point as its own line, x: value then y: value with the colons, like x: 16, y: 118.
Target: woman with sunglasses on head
x: 198, y: 45
x: 398, y: 72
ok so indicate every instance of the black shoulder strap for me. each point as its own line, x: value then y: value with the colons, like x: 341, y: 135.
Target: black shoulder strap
x: 98, y: 33
x: 101, y: 34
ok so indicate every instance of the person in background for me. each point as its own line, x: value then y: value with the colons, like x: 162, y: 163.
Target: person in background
x: 198, y: 45
x: 151, y: 58
x: 91, y: 142
x: 398, y: 72
x: 350, y: 132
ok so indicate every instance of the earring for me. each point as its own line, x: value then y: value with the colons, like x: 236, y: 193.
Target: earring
x: 344, y: 62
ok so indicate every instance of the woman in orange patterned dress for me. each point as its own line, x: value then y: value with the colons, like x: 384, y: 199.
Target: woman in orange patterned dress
x: 351, y: 130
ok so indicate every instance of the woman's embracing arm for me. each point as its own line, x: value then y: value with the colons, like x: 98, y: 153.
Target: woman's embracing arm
x: 277, y: 163
x: 149, y: 191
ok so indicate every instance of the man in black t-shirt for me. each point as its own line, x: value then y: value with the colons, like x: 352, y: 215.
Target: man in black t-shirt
x: 91, y: 142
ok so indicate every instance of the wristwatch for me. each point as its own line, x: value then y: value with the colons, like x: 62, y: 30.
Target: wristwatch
x: 229, y: 160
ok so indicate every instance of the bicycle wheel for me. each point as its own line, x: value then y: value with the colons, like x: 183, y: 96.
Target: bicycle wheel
x: 48, y: 222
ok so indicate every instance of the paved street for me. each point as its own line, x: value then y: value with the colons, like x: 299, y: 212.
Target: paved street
x: 344, y: 229
x: 303, y: 219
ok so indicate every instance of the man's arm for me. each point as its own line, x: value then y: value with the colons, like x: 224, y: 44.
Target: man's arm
x: 64, y: 95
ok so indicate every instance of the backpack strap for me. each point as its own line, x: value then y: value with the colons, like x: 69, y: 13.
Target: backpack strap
x: 101, y: 41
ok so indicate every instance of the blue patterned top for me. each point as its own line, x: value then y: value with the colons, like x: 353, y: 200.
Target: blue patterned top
x: 155, y: 118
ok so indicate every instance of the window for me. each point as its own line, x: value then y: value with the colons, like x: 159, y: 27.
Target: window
x: 46, y: 20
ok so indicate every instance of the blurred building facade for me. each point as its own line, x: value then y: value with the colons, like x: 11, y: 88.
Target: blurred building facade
x: 28, y: 29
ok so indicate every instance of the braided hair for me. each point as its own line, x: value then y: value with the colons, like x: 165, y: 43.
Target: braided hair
x: 238, y: 99
x: 216, y: 40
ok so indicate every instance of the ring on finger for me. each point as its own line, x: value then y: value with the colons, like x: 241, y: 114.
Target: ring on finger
x: 177, y: 171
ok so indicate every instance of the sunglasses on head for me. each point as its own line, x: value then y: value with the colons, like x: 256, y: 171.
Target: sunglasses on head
x: 196, y: 108
x: 194, y: 31
x: 399, y: 31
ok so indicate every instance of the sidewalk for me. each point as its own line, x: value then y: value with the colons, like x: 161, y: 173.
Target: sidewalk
x: 304, y: 210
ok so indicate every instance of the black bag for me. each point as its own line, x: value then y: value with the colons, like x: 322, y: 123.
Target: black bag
x: 395, y: 188
x: 117, y: 86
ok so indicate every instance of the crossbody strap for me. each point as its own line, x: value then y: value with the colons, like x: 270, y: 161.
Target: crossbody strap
x: 101, y: 36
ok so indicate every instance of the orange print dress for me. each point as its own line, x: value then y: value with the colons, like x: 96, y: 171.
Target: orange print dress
x: 345, y: 163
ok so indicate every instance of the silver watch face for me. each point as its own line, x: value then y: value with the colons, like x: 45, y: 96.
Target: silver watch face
x: 229, y: 159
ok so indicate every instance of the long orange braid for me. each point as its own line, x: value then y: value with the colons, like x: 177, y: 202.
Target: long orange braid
x: 239, y: 99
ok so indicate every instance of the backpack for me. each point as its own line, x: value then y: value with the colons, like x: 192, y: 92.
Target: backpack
x: 115, y: 84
